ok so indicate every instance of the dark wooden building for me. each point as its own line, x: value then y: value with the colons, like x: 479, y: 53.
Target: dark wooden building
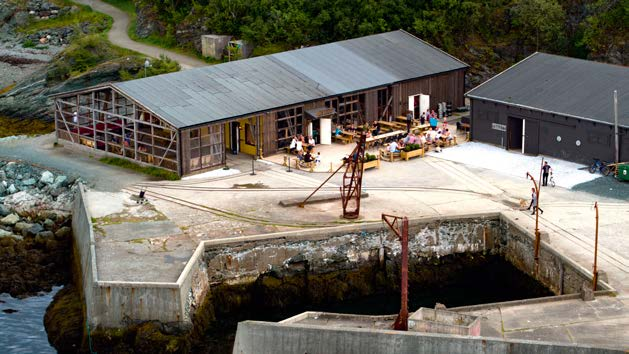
x: 555, y: 106
x: 187, y: 121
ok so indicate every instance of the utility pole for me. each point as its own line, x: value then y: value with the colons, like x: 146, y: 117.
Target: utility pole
x: 594, y: 270
x: 537, y: 236
x: 401, y: 322
x: 617, y: 140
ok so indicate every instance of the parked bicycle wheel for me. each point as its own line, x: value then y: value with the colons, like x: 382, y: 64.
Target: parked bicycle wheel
x: 605, y: 170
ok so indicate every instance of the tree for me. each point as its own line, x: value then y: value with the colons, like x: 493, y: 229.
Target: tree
x: 542, y: 20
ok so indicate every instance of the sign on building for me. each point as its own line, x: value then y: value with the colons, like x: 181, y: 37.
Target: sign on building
x: 500, y: 127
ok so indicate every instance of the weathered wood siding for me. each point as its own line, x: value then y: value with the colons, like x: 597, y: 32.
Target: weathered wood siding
x: 269, y: 132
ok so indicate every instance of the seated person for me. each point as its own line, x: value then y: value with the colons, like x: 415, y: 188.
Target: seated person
x: 376, y: 132
x: 300, y: 155
x: 299, y: 147
x: 400, y: 144
x: 393, y: 147
x: 368, y: 134
x: 311, y: 141
x: 338, y: 131
x: 439, y: 135
x: 293, y: 144
x: 309, y: 148
x: 422, y: 139
x: 447, y: 135
x: 308, y: 157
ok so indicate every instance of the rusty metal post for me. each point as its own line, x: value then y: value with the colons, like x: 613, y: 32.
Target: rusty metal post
x: 401, y: 322
x: 537, y: 235
x: 595, y: 271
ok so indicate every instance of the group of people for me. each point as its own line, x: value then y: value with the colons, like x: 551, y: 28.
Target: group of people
x: 427, y: 138
x: 304, y: 149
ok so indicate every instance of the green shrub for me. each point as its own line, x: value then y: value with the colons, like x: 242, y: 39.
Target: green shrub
x: 148, y: 170
x: 97, y: 22
x: 370, y: 157
x: 28, y: 44
x: 163, y: 65
x: 412, y: 147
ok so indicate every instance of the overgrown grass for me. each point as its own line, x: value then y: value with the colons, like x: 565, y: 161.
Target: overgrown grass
x: 98, y: 22
x: 11, y: 126
x: 151, y: 171
x: 125, y: 5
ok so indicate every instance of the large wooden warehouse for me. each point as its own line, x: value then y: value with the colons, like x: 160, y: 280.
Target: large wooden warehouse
x: 555, y: 106
x: 187, y: 121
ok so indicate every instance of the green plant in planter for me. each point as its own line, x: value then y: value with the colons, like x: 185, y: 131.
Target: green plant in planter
x: 370, y: 157
x: 412, y: 147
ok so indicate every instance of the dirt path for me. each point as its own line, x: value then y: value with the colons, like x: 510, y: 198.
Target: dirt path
x: 118, y: 36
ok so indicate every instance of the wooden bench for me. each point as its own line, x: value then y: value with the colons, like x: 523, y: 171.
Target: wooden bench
x: 344, y: 138
x: 389, y: 156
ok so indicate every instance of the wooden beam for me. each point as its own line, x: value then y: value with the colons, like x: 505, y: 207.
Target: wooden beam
x: 64, y: 121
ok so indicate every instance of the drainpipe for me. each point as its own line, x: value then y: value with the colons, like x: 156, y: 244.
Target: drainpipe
x: 617, y: 140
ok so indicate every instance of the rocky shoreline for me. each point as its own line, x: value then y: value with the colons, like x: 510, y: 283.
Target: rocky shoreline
x: 35, y: 228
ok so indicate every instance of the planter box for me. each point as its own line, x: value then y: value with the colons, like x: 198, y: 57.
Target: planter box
x: 371, y: 164
x: 407, y: 155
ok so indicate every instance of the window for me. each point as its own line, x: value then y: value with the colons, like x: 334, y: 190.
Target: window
x: 289, y: 123
x: 207, y: 147
x: 250, y: 134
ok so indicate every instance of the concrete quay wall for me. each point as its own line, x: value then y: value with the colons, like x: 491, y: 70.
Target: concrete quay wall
x: 556, y: 271
x: 115, y: 304
x: 275, y: 338
x: 242, y: 260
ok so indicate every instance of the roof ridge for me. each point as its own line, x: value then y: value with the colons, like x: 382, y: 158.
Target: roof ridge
x: 432, y: 46
x: 502, y: 72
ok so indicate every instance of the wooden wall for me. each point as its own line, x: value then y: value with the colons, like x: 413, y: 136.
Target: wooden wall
x: 448, y: 87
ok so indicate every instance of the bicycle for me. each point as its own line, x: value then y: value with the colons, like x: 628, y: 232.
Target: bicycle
x: 601, y: 166
x: 551, y: 180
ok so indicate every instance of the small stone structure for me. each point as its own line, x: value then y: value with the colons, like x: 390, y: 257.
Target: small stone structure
x: 443, y: 321
x: 212, y: 45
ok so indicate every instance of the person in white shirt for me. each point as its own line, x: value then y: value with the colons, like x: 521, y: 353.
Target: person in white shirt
x: 299, y: 146
x: 393, y: 147
x: 293, y: 145
x: 75, y: 117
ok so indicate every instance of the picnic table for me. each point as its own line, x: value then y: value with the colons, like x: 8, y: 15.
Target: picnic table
x: 391, y: 125
x: 374, y: 139
x: 345, y: 137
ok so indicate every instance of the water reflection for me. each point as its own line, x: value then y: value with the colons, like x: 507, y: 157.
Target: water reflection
x: 23, y: 331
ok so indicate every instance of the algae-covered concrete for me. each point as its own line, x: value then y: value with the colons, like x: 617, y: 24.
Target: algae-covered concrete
x: 272, y: 338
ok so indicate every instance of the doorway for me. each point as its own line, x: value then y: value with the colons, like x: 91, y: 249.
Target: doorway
x: 515, y: 133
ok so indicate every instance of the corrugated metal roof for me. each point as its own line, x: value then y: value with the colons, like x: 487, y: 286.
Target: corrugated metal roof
x: 562, y: 85
x: 243, y: 87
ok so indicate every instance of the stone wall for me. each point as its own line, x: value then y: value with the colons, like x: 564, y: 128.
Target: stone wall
x: 558, y: 273
x: 327, y: 251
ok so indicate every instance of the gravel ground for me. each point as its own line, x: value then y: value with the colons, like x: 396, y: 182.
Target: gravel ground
x: 40, y: 151
x: 608, y: 187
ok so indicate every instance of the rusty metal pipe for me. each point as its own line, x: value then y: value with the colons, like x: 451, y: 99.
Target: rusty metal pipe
x: 594, y: 270
x: 537, y: 235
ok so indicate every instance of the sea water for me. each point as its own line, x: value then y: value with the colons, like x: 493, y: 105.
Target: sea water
x: 23, y: 331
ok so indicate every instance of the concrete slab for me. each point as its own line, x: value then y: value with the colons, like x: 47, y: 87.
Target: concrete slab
x: 139, y: 230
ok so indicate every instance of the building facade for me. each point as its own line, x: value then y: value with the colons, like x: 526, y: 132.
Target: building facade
x: 188, y: 121
x: 554, y: 106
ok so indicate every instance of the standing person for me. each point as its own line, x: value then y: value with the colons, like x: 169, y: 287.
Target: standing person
x: 422, y: 118
x: 433, y: 122
x: 534, y: 202
x: 546, y: 169
x: 409, y: 121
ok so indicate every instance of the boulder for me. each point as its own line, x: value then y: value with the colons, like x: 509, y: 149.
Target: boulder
x: 9, y: 234
x: 49, y: 224
x: 29, y: 182
x: 20, y: 226
x: 4, y: 211
x: 47, y: 177
x: 10, y: 219
x: 63, y: 232
x: 33, y: 230
x: 60, y: 181
x: 46, y: 234
x: 11, y: 189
